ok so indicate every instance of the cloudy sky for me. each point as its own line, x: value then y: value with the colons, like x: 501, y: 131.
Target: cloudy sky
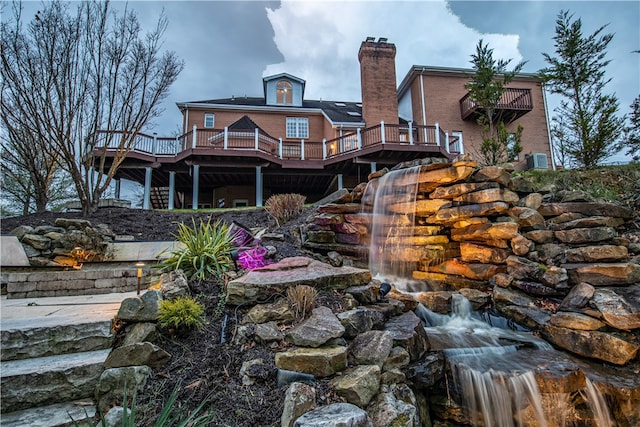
x: 228, y: 46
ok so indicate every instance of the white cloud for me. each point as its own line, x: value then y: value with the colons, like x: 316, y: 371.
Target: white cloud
x: 320, y: 40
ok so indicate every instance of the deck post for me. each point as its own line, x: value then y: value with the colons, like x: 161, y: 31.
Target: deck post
x: 172, y: 189
x: 373, y: 167
x: 280, y: 147
x: 258, y: 186
x: 340, y: 181
x: 324, y: 148
x: 193, y: 137
x: 446, y: 143
x: 382, y: 135
x: 117, y: 189
x: 302, y: 149
x: 155, y: 144
x: 437, y: 134
x: 146, y: 203
x: 196, y: 187
x: 225, y: 143
x: 410, y: 133
x: 359, y: 135
x: 256, y: 139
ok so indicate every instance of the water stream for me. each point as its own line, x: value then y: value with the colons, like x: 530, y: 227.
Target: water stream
x: 495, y: 372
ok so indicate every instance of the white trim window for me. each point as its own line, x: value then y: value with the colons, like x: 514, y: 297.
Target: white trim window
x: 297, y: 127
x: 209, y: 120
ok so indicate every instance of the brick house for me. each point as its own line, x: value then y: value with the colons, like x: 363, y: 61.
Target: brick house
x: 238, y: 151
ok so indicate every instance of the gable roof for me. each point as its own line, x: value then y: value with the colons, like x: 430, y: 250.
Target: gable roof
x: 279, y: 77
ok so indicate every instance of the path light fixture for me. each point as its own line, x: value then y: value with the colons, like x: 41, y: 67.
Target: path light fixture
x: 384, y: 289
x: 139, y: 265
x: 235, y: 255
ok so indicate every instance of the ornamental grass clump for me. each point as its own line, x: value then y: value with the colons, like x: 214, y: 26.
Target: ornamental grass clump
x: 206, y: 250
x: 181, y: 314
x: 284, y: 207
x: 301, y: 298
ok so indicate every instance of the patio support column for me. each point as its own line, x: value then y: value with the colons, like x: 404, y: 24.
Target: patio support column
x: 258, y: 186
x: 146, y: 204
x: 196, y: 186
x: 172, y: 189
x: 340, y: 181
x: 373, y: 167
x: 117, y: 189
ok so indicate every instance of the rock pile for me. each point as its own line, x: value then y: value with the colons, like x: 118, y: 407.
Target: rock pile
x: 67, y: 242
x: 558, y: 265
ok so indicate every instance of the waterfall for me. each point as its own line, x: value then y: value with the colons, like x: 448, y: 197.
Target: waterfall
x: 494, y: 373
x: 392, y: 229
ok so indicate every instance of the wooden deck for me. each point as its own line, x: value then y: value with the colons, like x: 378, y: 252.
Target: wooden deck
x: 226, y: 158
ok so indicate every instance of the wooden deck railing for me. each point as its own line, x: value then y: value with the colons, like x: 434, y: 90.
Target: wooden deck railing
x: 225, y: 139
x: 513, y: 99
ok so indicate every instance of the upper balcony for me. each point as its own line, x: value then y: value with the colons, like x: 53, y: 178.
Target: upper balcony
x: 513, y: 104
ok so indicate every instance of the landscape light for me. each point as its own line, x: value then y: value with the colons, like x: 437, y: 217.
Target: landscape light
x: 139, y: 265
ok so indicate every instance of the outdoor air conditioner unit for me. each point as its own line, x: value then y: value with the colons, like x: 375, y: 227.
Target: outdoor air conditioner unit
x: 537, y: 161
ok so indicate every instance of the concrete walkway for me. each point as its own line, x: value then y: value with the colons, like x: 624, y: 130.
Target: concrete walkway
x: 16, y: 314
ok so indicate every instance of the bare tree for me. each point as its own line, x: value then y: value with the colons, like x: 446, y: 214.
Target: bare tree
x: 69, y: 78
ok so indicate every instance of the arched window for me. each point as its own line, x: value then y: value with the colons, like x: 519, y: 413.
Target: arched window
x: 284, y: 92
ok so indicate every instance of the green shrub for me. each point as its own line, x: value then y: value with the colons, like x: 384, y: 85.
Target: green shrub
x: 181, y: 313
x: 206, y: 252
x: 284, y: 207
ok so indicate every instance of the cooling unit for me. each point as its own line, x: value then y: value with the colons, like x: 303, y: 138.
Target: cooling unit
x: 537, y: 161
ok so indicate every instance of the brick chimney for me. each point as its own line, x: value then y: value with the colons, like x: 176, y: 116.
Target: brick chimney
x: 378, y: 81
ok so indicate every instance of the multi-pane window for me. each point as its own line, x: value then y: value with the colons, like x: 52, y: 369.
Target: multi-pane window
x: 209, y: 120
x: 284, y: 92
x: 297, y: 127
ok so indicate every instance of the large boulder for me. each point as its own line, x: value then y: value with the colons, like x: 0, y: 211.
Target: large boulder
x: 358, y: 385
x: 321, y: 327
x: 321, y: 362
x: 335, y: 415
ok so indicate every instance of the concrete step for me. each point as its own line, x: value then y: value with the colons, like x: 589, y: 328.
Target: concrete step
x: 47, y: 380
x: 41, y: 341
x: 57, y: 415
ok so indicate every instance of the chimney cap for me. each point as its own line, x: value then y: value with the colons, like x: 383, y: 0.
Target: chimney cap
x: 382, y: 39
x: 370, y: 39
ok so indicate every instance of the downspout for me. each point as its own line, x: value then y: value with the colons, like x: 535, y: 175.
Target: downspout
x: 424, y: 111
x: 546, y: 115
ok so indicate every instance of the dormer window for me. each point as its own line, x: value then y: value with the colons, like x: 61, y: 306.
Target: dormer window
x: 284, y: 92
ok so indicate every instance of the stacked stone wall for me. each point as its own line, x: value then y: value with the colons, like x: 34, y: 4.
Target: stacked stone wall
x: 559, y: 264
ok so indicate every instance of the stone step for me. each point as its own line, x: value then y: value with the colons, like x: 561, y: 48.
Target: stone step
x: 71, y: 413
x: 41, y: 341
x: 47, y: 380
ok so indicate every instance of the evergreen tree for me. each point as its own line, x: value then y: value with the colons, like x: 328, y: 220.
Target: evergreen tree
x: 577, y: 72
x: 631, y: 138
x: 486, y: 87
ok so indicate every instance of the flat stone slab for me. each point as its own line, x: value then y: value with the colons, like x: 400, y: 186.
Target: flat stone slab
x: 52, y: 415
x: 12, y: 253
x: 141, y: 251
x: 260, y: 284
x: 27, y: 313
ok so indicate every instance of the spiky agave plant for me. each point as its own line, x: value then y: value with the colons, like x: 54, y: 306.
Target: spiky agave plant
x: 206, y: 250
